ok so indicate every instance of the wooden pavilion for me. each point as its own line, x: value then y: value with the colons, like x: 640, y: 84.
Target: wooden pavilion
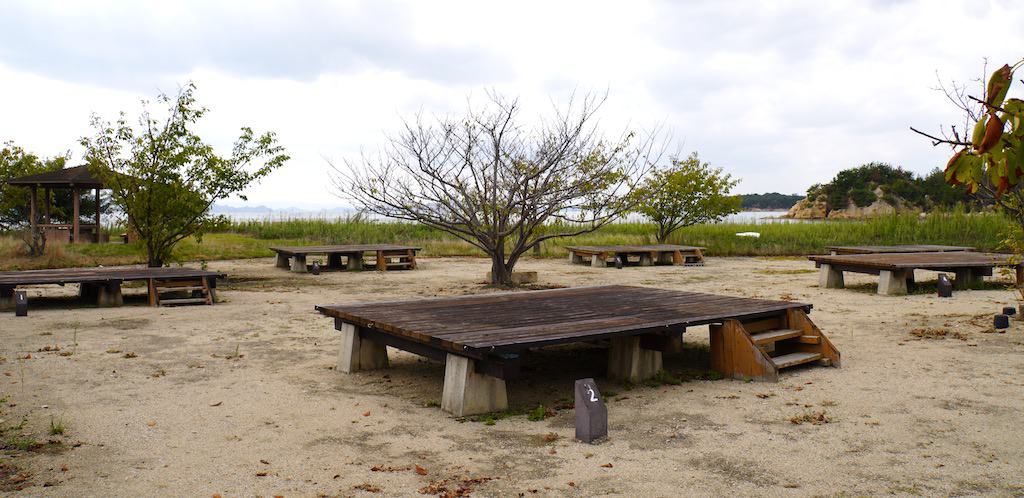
x: 79, y: 180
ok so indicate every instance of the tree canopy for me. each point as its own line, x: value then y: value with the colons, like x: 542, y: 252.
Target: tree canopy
x: 165, y: 178
x: 489, y: 178
x: 687, y: 193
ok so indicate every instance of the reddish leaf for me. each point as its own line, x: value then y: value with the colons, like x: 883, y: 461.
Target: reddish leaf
x: 421, y: 471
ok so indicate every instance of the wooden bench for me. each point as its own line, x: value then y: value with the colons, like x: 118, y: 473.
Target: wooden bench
x: 348, y: 257
x: 644, y: 255
x: 896, y: 270
x: 895, y: 249
x: 481, y: 338
x: 103, y: 285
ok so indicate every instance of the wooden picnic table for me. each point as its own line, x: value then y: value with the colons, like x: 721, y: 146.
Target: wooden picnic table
x: 643, y: 255
x: 481, y: 337
x: 895, y: 249
x: 104, y: 283
x: 348, y: 257
x: 896, y: 270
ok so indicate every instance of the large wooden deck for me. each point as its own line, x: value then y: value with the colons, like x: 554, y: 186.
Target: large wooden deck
x: 348, y: 257
x: 643, y: 255
x: 104, y: 284
x: 896, y: 270
x: 485, y: 334
x: 895, y: 249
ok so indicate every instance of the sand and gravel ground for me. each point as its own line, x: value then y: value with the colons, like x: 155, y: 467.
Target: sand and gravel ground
x: 241, y: 398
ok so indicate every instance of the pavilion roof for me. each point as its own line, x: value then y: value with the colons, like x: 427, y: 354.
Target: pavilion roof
x: 76, y: 177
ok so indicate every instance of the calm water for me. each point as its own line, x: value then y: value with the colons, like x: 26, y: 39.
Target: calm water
x: 284, y: 215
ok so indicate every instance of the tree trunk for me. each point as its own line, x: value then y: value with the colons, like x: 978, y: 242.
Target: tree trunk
x: 500, y: 274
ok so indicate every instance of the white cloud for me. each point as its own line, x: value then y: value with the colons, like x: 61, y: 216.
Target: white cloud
x: 783, y: 94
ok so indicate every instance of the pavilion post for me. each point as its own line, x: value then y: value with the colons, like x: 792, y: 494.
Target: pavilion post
x: 33, y: 201
x: 97, y: 239
x: 46, y: 205
x: 76, y: 198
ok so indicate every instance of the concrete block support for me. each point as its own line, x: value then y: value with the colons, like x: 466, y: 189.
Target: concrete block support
x: 109, y: 294
x: 628, y: 361
x: 665, y: 258
x: 299, y: 263
x: 467, y: 392
x: 6, y: 298
x: 282, y: 261
x: 830, y: 278
x: 355, y: 262
x: 575, y: 259
x: 358, y: 353
x: 892, y: 283
x: 645, y: 260
x: 966, y: 277
x: 597, y: 261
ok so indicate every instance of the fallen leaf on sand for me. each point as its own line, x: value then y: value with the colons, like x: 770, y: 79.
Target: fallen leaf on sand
x: 607, y: 465
x: 366, y: 413
x: 265, y: 462
x: 369, y: 488
x: 151, y: 423
x: 261, y: 473
x: 217, y: 403
x: 421, y: 471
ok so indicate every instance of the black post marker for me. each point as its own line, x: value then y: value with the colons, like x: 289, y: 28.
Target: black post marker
x: 591, y: 412
x: 945, y: 286
x: 20, y: 303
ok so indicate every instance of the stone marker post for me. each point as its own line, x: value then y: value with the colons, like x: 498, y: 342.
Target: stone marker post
x: 20, y: 303
x: 591, y: 412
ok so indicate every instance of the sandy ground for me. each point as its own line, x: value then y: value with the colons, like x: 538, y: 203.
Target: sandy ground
x: 241, y: 398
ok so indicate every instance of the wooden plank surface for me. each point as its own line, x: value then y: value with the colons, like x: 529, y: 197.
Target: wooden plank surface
x: 921, y: 260
x: 357, y: 248
x: 632, y: 249
x: 896, y: 249
x: 105, y: 274
x: 513, y: 321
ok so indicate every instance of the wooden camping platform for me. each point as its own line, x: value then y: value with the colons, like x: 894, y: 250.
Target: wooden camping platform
x: 104, y: 284
x: 895, y: 249
x: 485, y: 334
x: 646, y: 255
x: 386, y: 256
x: 896, y: 270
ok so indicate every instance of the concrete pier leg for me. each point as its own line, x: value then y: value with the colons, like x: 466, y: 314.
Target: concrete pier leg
x: 597, y: 261
x: 892, y: 283
x: 6, y: 298
x: 299, y: 263
x: 665, y: 258
x: 467, y: 392
x: 334, y: 261
x: 282, y: 261
x: 830, y: 278
x: 645, y: 260
x: 575, y: 259
x: 628, y: 361
x: 358, y: 353
x: 109, y: 295
x: 966, y: 277
x: 355, y: 262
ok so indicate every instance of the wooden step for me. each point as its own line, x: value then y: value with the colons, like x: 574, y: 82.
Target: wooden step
x: 809, y: 339
x: 771, y: 336
x: 180, y: 289
x: 191, y: 300
x: 793, y: 359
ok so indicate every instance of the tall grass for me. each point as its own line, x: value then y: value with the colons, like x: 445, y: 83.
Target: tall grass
x: 252, y: 239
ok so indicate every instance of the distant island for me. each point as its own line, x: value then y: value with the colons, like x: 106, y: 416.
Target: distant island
x: 771, y: 201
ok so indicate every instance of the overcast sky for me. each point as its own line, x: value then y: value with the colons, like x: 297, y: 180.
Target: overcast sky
x: 781, y: 94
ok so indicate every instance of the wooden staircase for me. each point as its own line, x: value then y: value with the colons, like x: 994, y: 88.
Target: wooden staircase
x: 758, y: 349
x: 167, y: 292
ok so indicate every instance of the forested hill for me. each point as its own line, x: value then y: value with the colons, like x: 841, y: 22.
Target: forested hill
x: 769, y: 201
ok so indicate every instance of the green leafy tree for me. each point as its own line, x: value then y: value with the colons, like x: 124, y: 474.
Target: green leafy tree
x: 687, y: 193
x: 990, y: 161
x: 166, y: 179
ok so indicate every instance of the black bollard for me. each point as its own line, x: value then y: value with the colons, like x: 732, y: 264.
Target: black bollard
x: 618, y: 262
x: 1001, y: 322
x: 1009, y: 310
x: 20, y: 303
x: 945, y: 286
x: 591, y: 412
x: 315, y: 269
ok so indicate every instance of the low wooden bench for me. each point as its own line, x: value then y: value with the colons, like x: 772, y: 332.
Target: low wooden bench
x: 643, y: 255
x: 103, y: 285
x: 348, y: 257
x: 895, y: 249
x: 481, y: 338
x: 896, y: 270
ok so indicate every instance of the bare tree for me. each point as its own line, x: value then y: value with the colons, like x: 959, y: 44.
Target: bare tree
x: 499, y: 184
